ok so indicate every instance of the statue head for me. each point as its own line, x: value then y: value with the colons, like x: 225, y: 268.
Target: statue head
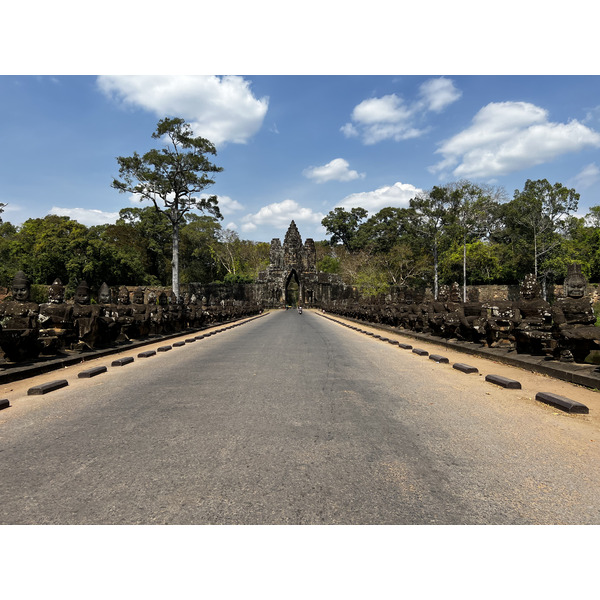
x: 56, y: 292
x: 104, y: 295
x: 138, y: 296
x: 21, y: 287
x: 530, y: 288
x: 151, y: 297
x: 575, y: 283
x: 443, y: 293
x: 82, y: 293
x: 162, y: 299
x: 455, y: 293
x: 123, y: 297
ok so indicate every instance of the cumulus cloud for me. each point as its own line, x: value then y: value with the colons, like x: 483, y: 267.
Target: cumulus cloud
x: 221, y: 109
x: 510, y: 136
x: 390, y: 117
x: 279, y: 215
x: 587, y: 177
x: 397, y: 195
x: 336, y: 170
x: 438, y: 93
x: 86, y: 216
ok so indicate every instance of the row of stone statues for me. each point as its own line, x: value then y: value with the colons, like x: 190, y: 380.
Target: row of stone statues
x: 564, y: 331
x: 28, y: 329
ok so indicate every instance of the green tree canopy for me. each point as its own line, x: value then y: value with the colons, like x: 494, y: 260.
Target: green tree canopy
x: 173, y: 178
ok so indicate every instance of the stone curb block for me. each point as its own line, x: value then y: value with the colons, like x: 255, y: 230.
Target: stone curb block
x: 465, y: 368
x: 164, y: 348
x: 438, y: 358
x: 505, y: 382
x: 147, y: 354
x: 44, y: 388
x: 178, y: 344
x: 405, y: 346
x: 4, y: 404
x: 92, y: 372
x: 190, y: 340
x: 394, y: 342
x: 420, y: 352
x: 563, y: 403
x: 122, y: 361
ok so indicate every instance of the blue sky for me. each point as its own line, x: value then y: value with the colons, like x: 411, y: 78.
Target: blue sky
x: 296, y: 146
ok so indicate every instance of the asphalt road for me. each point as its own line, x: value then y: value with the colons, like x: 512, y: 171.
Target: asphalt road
x: 293, y: 419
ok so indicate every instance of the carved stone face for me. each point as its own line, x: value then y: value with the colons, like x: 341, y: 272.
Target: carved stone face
x: 123, y: 296
x: 21, y: 287
x: 138, y: 297
x: 20, y: 292
x: 162, y: 299
x: 455, y: 293
x: 82, y: 295
x: 443, y: 293
x: 104, y: 295
x: 575, y: 287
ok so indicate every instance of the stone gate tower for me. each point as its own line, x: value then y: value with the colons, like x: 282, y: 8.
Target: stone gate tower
x: 295, y: 262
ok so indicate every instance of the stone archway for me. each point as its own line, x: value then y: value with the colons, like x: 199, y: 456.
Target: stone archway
x: 293, y: 292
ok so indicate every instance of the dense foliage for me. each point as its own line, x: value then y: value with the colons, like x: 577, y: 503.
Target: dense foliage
x: 467, y: 233
x: 458, y: 232
x: 136, y: 250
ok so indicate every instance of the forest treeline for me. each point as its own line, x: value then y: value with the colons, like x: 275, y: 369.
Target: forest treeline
x: 464, y: 232
x: 461, y: 231
x: 136, y: 250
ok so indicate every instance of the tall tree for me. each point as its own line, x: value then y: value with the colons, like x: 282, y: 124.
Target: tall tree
x: 473, y: 207
x: 172, y: 178
x: 429, y: 220
x: 541, y: 214
x: 343, y: 226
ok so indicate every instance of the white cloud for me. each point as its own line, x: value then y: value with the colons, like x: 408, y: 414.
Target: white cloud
x: 397, y: 195
x: 390, y: 117
x: 439, y: 93
x: 233, y: 226
x: 279, y: 214
x: 510, y: 136
x: 85, y: 216
x: 221, y: 109
x: 227, y: 205
x: 587, y: 177
x: 336, y: 170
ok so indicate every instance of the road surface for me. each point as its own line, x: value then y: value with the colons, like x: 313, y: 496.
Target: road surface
x: 293, y: 419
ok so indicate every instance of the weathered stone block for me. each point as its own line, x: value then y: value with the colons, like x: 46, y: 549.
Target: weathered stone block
x: 120, y: 362
x: 439, y: 359
x: 44, y: 388
x: 420, y: 352
x: 504, y: 382
x: 178, y: 344
x: 465, y: 368
x: 92, y: 372
x: 563, y: 403
x: 405, y: 346
x: 147, y: 354
x: 164, y: 349
x: 4, y: 404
